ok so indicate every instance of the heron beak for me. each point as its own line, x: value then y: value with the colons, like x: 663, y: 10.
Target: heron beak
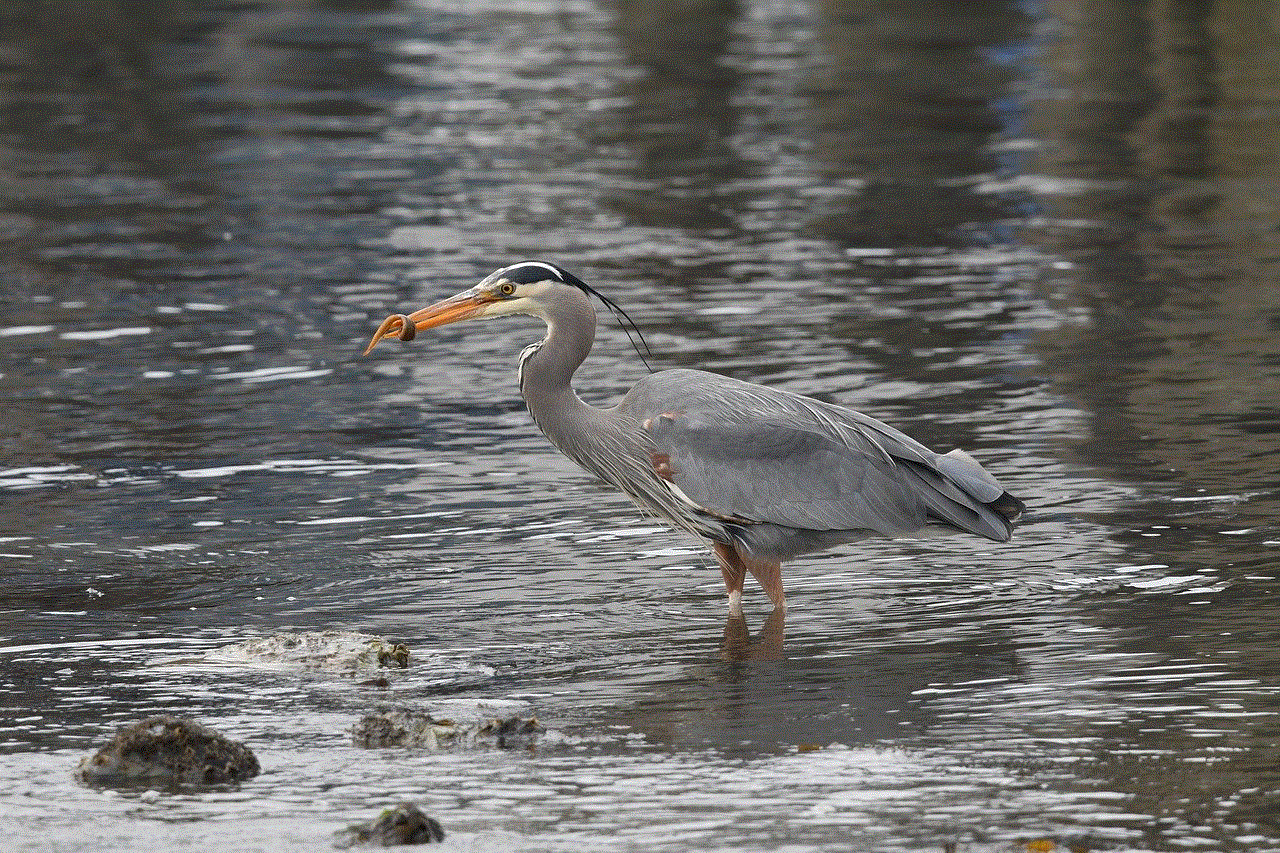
x: 461, y: 307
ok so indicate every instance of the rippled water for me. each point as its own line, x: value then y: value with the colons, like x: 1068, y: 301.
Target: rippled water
x: 1042, y: 232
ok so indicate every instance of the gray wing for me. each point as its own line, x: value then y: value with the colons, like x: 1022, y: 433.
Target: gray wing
x: 751, y: 454
x: 783, y: 474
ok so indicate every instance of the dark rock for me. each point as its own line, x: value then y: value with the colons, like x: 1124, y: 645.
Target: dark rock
x: 167, y: 752
x: 404, y: 824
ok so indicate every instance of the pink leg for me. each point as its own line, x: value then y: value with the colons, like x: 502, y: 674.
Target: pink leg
x: 734, y: 574
x: 768, y: 573
x: 735, y: 564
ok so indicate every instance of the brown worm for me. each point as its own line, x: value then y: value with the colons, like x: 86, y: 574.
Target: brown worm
x: 408, y: 331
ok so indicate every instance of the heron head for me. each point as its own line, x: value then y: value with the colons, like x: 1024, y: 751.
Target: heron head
x: 511, y: 290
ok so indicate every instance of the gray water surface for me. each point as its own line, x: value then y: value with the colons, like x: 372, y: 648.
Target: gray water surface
x: 1044, y: 232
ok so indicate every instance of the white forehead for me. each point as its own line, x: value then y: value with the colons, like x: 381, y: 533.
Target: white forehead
x: 554, y: 273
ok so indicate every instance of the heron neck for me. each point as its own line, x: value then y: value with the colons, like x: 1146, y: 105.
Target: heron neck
x: 571, y: 330
x: 546, y: 377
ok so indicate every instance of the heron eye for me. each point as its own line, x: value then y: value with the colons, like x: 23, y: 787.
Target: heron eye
x: 506, y: 288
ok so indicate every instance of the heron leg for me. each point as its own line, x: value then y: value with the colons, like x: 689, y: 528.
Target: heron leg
x: 735, y: 573
x: 768, y: 573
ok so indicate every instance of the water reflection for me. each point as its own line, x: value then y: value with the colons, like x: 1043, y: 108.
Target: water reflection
x: 903, y: 105
x: 1173, y: 363
x: 1172, y: 367
x: 850, y: 689
x: 740, y: 645
x: 679, y: 117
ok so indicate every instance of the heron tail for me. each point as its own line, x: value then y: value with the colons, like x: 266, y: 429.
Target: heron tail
x: 959, y: 492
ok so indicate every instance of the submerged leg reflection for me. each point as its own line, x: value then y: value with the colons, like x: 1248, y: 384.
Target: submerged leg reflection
x: 738, y: 644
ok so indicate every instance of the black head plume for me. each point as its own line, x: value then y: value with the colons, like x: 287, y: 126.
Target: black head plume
x: 528, y: 272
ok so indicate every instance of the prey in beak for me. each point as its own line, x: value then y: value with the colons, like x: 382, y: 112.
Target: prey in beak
x: 465, y: 305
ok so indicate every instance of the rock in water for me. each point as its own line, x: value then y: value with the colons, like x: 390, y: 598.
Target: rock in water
x: 167, y: 752
x: 408, y: 727
x: 511, y: 732
x: 404, y: 824
x: 344, y: 652
x: 402, y: 728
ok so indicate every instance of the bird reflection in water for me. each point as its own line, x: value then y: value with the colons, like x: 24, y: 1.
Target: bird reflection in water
x: 739, y: 645
x: 758, y: 474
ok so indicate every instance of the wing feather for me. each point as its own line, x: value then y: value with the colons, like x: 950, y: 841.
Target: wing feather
x: 780, y: 474
x: 757, y: 455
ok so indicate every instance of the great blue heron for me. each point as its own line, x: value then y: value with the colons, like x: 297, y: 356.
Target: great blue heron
x: 761, y: 475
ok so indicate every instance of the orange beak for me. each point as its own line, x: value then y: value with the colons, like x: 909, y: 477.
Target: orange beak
x: 450, y: 310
